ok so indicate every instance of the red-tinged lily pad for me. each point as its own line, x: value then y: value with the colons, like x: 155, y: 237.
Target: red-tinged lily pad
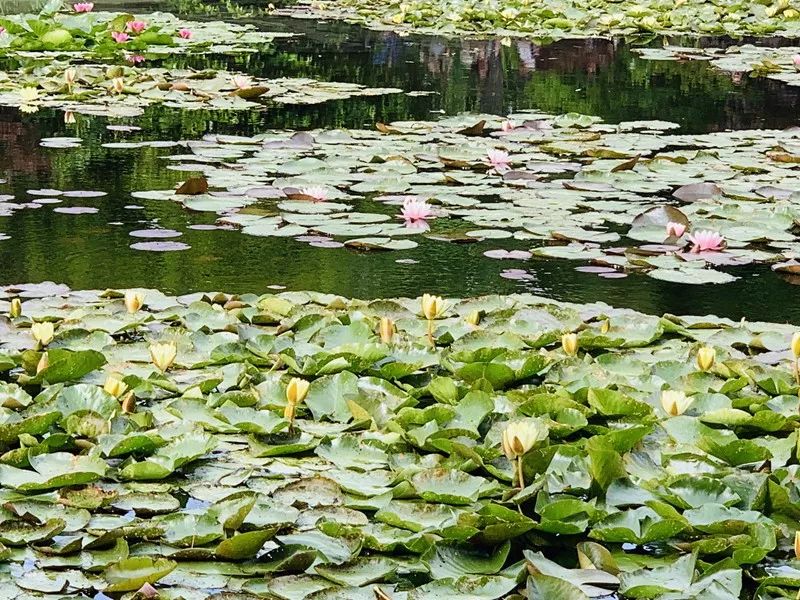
x: 516, y: 274
x: 508, y: 254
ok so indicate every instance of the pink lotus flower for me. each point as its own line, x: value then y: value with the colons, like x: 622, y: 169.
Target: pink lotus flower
x: 316, y: 192
x: 499, y: 159
x: 120, y: 37
x: 706, y: 241
x: 136, y: 26
x: 796, y: 61
x: 415, y: 210
x: 675, y: 229
x: 241, y: 82
x: 185, y: 33
x: 135, y: 59
x: 507, y: 126
x: 83, y: 7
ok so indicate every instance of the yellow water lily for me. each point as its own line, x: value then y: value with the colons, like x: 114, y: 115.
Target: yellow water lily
x: 43, y: 332
x: 432, y: 306
x: 706, y: 357
x: 473, y: 318
x: 518, y: 438
x: 114, y: 385
x: 675, y: 402
x: 16, y: 308
x: 296, y: 392
x: 163, y: 354
x: 386, y: 330
x: 134, y: 301
x: 569, y: 342
x: 43, y: 363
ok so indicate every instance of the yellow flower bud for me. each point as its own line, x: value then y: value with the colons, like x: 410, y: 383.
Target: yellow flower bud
x: 43, y: 332
x: 520, y: 436
x: 16, y: 308
x: 386, y: 330
x: 163, y: 354
x: 69, y: 76
x: 797, y: 544
x: 604, y: 328
x: 69, y: 117
x: 796, y: 345
x: 114, y: 385
x: 43, y: 363
x: 297, y: 390
x: 432, y: 306
x: 118, y: 84
x: 675, y: 402
x: 133, y: 301
x: 705, y: 358
x: 569, y: 342
x: 473, y: 318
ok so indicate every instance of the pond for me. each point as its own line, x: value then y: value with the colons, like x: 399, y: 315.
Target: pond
x: 596, y: 77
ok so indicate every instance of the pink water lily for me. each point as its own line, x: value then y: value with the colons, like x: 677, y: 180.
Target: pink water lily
x: 499, y: 160
x: 507, y: 126
x: 136, y: 26
x: 147, y: 591
x: 135, y: 59
x: 415, y: 210
x: 675, y: 229
x: 241, y: 82
x: 2, y: 30
x: 706, y: 241
x: 796, y: 61
x: 120, y: 37
x: 185, y: 33
x: 83, y: 7
x: 316, y: 192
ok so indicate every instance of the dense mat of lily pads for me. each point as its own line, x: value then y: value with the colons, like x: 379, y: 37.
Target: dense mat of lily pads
x: 624, y: 198
x: 55, y: 48
x: 175, y: 446
x: 558, y: 19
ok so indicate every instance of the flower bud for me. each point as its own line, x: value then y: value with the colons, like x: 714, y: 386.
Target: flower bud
x: 386, y: 330
x: 569, y: 342
x: 16, y: 308
x: 432, y: 306
x: 163, y: 354
x: 705, y: 358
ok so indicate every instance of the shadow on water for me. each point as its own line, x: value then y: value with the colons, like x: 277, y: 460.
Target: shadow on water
x: 598, y: 77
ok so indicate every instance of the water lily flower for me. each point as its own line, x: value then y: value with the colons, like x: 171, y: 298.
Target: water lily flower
x: 242, y: 82
x: 415, y: 210
x: 163, y: 354
x: 315, y: 192
x: 69, y: 117
x: 43, y: 332
x: 296, y: 392
x: 795, y: 345
x: 386, y: 330
x: 507, y: 125
x: 135, y: 59
x: 69, y: 77
x: 675, y: 402
x: 43, y: 363
x: 114, y: 385
x: 606, y: 326
x: 83, y: 7
x: 706, y: 357
x: 518, y: 438
x: 118, y: 85
x: 473, y: 318
x: 16, y: 308
x: 706, y: 241
x: 796, y: 61
x: 185, y: 33
x: 675, y: 229
x: 569, y: 342
x: 120, y: 37
x: 136, y: 26
x: 133, y: 301
x: 432, y: 306
x: 499, y: 160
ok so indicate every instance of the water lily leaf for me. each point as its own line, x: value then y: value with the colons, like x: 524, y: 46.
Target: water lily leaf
x: 132, y: 573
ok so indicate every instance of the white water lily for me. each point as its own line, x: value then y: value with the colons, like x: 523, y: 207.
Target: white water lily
x: 675, y: 402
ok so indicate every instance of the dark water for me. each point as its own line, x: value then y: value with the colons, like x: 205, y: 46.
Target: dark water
x: 595, y: 77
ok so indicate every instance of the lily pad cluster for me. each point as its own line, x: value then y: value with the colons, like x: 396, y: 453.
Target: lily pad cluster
x: 147, y: 444
x: 118, y: 91
x: 781, y: 64
x: 562, y: 18
x: 59, y: 30
x: 611, y: 196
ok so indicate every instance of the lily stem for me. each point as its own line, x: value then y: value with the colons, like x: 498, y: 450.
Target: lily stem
x: 520, y: 475
x: 430, y: 332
